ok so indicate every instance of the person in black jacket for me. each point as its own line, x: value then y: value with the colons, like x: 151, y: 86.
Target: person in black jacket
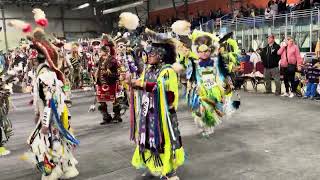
x: 282, y: 6
x: 270, y: 60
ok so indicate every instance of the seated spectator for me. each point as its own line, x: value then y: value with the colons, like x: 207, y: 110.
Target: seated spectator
x: 252, y: 13
x: 282, y: 6
x: 213, y: 15
x: 254, y: 59
x: 274, y: 8
x: 244, y: 11
x: 268, y: 14
x: 316, y: 3
x: 244, y: 57
x: 236, y: 13
x: 219, y: 13
x: 254, y: 56
x: 269, y: 3
x: 306, y: 4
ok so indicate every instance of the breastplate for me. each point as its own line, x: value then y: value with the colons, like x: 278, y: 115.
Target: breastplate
x: 208, y: 77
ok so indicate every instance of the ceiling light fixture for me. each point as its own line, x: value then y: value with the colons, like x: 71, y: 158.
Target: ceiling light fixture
x: 82, y: 6
x: 127, y: 6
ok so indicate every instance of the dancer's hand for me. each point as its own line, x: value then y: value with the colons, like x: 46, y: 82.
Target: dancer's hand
x: 136, y: 83
x: 133, y: 82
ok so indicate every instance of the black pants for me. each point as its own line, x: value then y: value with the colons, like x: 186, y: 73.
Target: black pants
x: 1, y: 138
x: 289, y: 80
x: 103, y: 108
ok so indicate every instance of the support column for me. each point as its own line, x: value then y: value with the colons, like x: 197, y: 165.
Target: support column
x: 148, y: 12
x: 62, y: 21
x: 311, y: 31
x: 4, y: 27
x: 186, y: 9
x: 175, y: 8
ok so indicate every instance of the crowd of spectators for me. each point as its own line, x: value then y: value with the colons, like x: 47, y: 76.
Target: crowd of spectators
x: 195, y: 19
x: 15, y: 62
x: 301, y: 77
x: 274, y: 7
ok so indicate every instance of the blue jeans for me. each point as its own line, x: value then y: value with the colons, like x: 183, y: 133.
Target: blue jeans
x: 311, y: 90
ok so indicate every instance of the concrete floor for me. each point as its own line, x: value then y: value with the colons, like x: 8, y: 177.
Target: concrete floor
x: 269, y: 138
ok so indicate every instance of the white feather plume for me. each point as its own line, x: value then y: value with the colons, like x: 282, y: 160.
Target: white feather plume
x: 40, y: 17
x: 181, y: 27
x: 38, y: 14
x: 18, y: 24
x: 128, y: 20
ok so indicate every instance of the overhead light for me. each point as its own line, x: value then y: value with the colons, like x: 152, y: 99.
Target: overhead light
x: 81, y: 6
x: 127, y: 6
x: 105, y: 1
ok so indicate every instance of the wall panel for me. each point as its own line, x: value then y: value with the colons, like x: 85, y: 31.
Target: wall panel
x: 14, y: 35
x: 26, y: 11
x: 205, y: 6
x: 2, y: 40
x: 76, y: 22
x: 80, y: 25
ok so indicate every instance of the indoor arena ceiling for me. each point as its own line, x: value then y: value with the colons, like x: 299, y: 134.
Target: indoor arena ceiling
x: 108, y: 3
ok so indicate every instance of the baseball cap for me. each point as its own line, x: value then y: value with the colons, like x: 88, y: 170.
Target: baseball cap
x: 270, y: 35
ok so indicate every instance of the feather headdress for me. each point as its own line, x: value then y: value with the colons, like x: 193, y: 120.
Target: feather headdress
x: 43, y: 46
x: 129, y: 21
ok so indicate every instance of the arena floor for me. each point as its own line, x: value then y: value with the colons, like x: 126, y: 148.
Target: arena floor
x: 269, y: 138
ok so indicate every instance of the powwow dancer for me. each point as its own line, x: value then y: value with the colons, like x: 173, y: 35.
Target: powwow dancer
x: 155, y: 128
x: 86, y: 58
x: 75, y: 59
x: 6, y: 130
x: 51, y: 142
x: 107, y: 82
x: 65, y: 66
x: 209, y: 92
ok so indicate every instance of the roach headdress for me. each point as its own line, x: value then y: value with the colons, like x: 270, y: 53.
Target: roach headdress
x: 40, y: 42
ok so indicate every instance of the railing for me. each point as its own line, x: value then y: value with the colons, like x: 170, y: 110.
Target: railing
x: 250, y: 32
x: 309, y: 16
x: 292, y: 15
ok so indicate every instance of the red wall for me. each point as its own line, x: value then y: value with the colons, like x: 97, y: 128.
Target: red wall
x: 205, y: 7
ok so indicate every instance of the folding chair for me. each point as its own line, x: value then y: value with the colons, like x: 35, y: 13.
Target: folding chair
x: 247, y: 69
x: 259, y: 80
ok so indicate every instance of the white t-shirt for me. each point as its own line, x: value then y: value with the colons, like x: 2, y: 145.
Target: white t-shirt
x: 274, y: 9
x: 255, y: 58
x: 267, y: 14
